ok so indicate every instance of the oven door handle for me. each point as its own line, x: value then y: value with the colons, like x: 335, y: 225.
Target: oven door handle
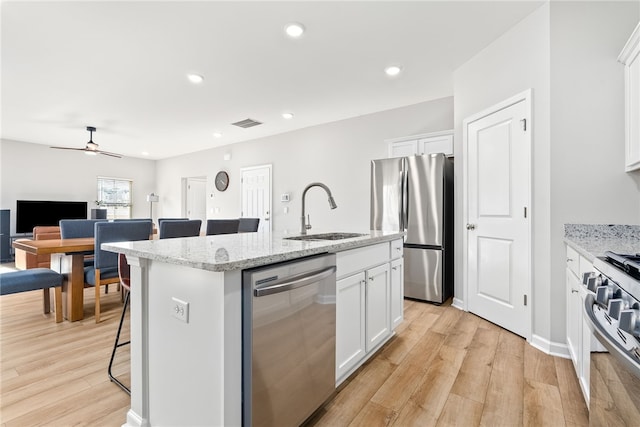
x: 620, y: 353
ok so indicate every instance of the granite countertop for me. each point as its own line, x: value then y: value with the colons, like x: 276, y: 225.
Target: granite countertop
x: 592, y: 240
x: 228, y: 252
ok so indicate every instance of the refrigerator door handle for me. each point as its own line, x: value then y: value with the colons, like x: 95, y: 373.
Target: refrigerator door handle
x: 405, y: 201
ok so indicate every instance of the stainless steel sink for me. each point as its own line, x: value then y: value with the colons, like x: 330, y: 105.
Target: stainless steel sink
x: 326, y: 236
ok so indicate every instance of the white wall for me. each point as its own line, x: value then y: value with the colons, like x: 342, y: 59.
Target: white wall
x: 337, y: 154
x: 566, y: 52
x: 515, y: 62
x: 589, y: 184
x: 36, y: 172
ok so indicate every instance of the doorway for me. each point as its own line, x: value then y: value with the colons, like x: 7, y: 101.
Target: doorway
x: 195, y: 205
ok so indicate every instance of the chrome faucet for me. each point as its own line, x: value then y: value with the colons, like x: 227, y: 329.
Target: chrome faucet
x: 306, y: 225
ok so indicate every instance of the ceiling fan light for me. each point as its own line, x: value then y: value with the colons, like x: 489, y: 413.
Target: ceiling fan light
x: 90, y: 153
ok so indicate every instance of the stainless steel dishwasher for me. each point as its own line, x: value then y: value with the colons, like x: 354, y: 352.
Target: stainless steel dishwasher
x: 289, y: 340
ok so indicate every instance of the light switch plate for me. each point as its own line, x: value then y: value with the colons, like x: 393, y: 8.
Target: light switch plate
x: 180, y: 309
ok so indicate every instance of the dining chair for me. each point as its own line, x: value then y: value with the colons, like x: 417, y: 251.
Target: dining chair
x: 171, y: 219
x: 78, y: 228
x: 222, y: 226
x: 124, y: 275
x: 179, y: 228
x: 248, y: 225
x: 105, y: 267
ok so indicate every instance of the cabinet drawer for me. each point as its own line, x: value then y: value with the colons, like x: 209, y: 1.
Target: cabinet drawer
x: 573, y: 261
x: 355, y: 260
x: 396, y: 249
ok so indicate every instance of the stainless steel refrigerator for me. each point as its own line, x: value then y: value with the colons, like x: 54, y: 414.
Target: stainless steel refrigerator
x: 415, y: 194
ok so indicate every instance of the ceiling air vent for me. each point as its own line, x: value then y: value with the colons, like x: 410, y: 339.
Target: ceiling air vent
x: 247, y: 123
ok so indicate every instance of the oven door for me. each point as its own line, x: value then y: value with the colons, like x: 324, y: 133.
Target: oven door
x: 615, y: 376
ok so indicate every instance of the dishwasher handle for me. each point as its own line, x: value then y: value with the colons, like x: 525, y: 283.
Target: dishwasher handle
x: 294, y: 282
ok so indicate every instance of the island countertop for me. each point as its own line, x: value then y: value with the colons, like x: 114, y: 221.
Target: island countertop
x: 226, y: 252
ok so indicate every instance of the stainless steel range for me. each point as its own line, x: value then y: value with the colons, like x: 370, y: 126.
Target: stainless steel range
x: 612, y: 311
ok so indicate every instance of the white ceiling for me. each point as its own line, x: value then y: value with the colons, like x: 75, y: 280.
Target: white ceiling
x: 122, y: 66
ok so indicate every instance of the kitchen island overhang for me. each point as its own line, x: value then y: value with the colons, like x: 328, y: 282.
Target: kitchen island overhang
x: 189, y: 373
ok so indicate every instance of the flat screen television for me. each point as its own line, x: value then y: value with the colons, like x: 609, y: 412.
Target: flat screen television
x: 30, y: 213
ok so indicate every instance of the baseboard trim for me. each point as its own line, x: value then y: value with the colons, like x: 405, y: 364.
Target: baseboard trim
x: 458, y: 303
x: 549, y: 347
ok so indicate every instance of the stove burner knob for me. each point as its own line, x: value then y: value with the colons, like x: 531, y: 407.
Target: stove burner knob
x: 616, y: 306
x: 593, y: 281
x: 587, y: 276
x: 628, y: 321
x: 604, y: 294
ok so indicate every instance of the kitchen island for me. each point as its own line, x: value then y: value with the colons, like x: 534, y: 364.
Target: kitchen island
x: 186, y: 316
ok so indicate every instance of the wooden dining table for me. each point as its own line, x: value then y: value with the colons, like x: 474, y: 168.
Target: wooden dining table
x: 67, y: 258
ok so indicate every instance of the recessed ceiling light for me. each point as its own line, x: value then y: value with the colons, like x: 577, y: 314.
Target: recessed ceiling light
x: 287, y: 116
x: 145, y: 153
x: 294, y: 29
x: 195, y: 78
x: 393, y: 70
x: 217, y: 135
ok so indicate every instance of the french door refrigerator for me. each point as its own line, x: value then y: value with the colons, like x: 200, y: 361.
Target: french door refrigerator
x: 415, y: 194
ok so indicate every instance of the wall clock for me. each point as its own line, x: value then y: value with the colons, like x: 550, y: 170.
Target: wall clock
x: 222, y: 181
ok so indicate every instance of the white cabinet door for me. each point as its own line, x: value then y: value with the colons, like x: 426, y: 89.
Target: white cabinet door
x: 436, y: 144
x: 350, y: 322
x: 630, y: 57
x: 403, y: 148
x: 378, y: 307
x: 397, y: 292
x: 574, y: 320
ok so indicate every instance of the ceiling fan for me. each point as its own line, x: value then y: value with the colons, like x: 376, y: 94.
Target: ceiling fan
x: 91, y: 148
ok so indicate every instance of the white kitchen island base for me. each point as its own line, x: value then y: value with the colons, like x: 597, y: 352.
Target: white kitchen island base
x: 186, y: 317
x: 184, y: 373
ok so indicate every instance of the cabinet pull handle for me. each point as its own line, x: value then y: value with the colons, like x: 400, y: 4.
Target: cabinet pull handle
x: 574, y: 291
x: 394, y: 268
x: 569, y: 259
x: 371, y: 278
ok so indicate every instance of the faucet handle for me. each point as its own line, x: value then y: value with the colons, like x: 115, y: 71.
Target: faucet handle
x: 308, y: 226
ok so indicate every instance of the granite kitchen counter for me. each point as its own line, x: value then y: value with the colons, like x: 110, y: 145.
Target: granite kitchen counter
x: 592, y: 240
x: 227, y: 252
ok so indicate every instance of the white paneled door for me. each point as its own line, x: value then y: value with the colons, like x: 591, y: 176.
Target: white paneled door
x: 196, y: 199
x: 256, y: 195
x: 498, y: 232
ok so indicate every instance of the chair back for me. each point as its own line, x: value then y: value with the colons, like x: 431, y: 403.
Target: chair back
x: 77, y: 228
x: 131, y: 219
x: 222, y: 226
x: 122, y: 231
x: 170, y: 219
x: 124, y: 271
x: 179, y: 228
x: 248, y: 225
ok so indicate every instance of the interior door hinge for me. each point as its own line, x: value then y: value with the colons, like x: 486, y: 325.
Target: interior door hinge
x: 524, y: 124
x: 525, y: 211
x: 525, y: 299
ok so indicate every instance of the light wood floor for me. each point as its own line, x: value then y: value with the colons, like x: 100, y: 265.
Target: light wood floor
x: 445, y: 367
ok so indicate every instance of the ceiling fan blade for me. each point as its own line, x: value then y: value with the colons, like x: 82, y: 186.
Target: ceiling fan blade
x: 69, y: 148
x: 106, y: 153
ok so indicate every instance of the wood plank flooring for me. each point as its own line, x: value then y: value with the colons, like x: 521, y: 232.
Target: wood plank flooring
x: 444, y: 367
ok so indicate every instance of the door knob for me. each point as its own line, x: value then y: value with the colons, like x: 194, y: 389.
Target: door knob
x: 471, y: 226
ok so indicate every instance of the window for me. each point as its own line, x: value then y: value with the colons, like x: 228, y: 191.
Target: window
x: 114, y: 194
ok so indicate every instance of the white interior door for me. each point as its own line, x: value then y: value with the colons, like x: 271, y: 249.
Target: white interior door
x: 196, y: 199
x: 498, y: 232
x: 256, y: 195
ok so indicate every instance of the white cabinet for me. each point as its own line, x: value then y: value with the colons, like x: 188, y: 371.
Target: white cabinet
x: 397, y: 292
x: 429, y: 143
x: 369, y: 302
x: 579, y: 336
x: 630, y: 57
x: 350, y: 321
x: 378, y: 307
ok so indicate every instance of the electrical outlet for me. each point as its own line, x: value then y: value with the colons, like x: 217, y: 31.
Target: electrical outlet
x: 180, y: 309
